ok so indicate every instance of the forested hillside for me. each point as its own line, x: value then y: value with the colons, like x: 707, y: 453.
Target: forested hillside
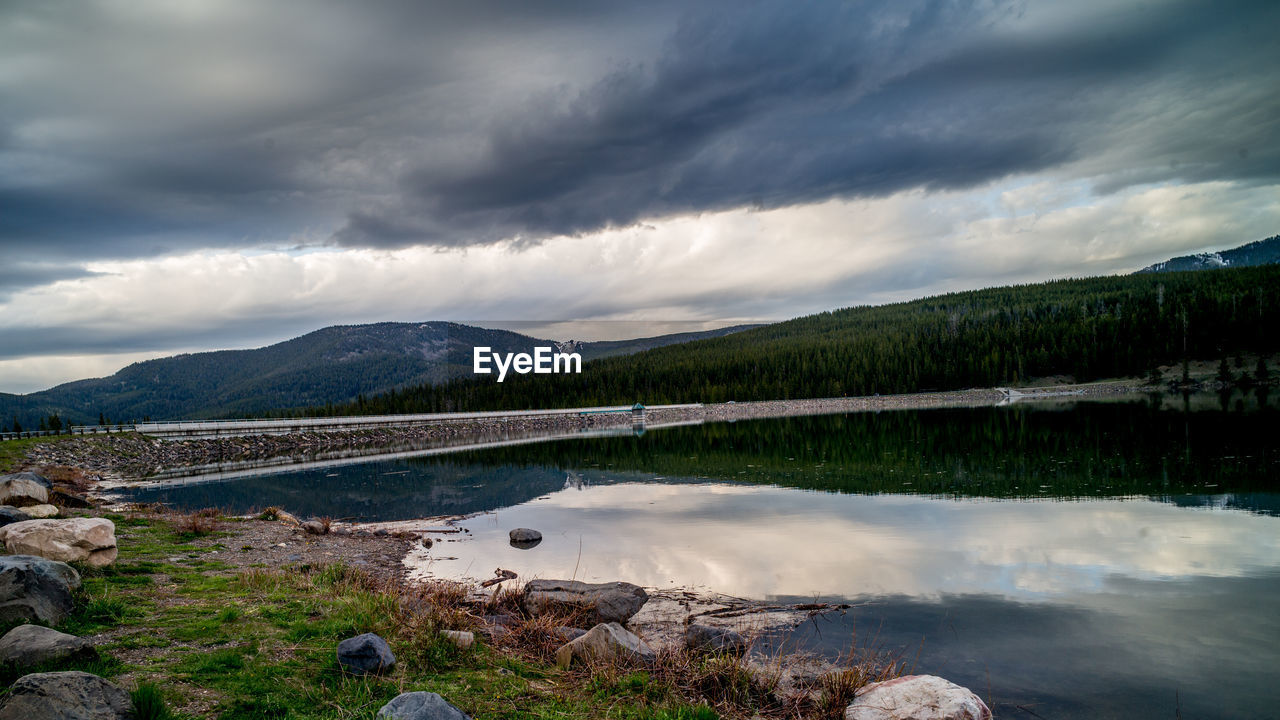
x: 1262, y: 252
x: 1087, y: 329
x: 333, y: 365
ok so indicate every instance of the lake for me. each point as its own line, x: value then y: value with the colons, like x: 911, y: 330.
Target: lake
x: 1100, y: 560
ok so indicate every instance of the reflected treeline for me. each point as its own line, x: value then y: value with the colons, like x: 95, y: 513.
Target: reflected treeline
x: 376, y: 491
x: 1199, y: 457
x: 1085, y: 450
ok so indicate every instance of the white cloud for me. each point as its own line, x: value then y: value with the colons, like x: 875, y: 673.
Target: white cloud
x: 727, y: 266
x: 744, y: 541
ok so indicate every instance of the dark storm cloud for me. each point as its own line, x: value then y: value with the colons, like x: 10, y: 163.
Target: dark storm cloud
x: 788, y: 103
x: 136, y: 130
x: 20, y: 275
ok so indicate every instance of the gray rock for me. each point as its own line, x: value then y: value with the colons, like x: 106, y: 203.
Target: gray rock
x: 525, y: 537
x: 11, y: 514
x: 365, y: 654
x: 33, y: 589
x: 460, y: 638
x: 567, y: 634
x: 605, y: 642
x: 314, y: 527
x: 913, y: 697
x: 24, y: 488
x: 65, y: 696
x: 68, y: 499
x: 40, y: 512
x: 88, y: 540
x: 606, y: 602
x: 705, y: 638
x: 421, y: 706
x: 28, y: 645
x: 502, y: 619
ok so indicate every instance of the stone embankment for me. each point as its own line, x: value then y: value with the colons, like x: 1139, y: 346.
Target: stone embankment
x: 133, y: 456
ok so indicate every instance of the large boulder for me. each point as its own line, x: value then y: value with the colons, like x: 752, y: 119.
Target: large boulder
x: 10, y: 514
x: 366, y: 654
x: 710, y: 639
x: 421, y: 706
x: 33, y: 589
x: 24, y: 488
x: 916, y: 697
x: 28, y: 645
x: 606, y: 602
x: 606, y: 642
x: 65, y: 696
x: 88, y: 540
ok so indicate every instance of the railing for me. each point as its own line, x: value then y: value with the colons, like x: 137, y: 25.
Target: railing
x: 38, y: 433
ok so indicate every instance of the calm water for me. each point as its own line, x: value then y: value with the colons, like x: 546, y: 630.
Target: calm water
x: 1116, y: 560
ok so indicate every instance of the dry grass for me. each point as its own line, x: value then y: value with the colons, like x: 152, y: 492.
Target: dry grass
x: 65, y: 475
x: 735, y: 687
x: 200, y: 522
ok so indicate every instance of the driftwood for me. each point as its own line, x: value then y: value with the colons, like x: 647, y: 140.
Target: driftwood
x: 500, y: 576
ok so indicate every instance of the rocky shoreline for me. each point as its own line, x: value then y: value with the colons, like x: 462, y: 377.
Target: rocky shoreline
x: 130, y: 456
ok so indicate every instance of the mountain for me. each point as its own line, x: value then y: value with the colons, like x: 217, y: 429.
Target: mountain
x: 1262, y: 252
x: 611, y: 348
x: 1086, y: 329
x: 334, y: 365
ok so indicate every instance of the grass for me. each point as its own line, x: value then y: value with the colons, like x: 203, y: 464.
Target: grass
x: 197, y: 638
x: 12, y: 452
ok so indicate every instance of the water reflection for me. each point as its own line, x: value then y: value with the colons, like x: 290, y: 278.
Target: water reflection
x: 766, y: 542
x: 1100, y: 560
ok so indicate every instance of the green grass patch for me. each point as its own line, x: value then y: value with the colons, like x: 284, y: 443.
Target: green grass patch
x: 262, y: 643
x: 12, y: 452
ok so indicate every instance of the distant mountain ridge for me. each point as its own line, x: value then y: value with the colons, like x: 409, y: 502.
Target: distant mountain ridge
x: 1261, y: 252
x: 335, y: 365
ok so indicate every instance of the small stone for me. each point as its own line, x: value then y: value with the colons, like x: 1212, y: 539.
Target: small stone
x: 365, y: 654
x: 524, y: 537
x: 567, y: 634
x: 606, y: 641
x: 69, y: 499
x: 28, y: 645
x: 460, y: 638
x: 421, y: 706
x: 40, y: 512
x: 314, y: 527
x: 705, y: 638
x: 916, y: 696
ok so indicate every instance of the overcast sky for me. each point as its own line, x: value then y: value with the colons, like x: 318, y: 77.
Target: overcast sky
x: 180, y: 175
